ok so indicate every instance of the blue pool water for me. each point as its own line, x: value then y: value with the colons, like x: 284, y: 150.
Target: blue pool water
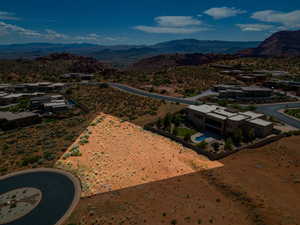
x: 201, y: 138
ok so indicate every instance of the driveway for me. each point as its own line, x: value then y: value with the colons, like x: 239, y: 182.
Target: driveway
x: 204, y: 94
x: 273, y: 110
x: 153, y: 95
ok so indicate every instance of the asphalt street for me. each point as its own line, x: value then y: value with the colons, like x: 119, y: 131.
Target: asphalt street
x: 273, y: 110
x: 270, y: 110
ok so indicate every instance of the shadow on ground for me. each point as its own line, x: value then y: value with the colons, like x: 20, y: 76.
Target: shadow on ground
x: 257, y: 187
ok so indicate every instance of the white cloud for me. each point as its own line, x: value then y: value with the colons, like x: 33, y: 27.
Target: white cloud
x: 255, y: 27
x: 176, y: 21
x: 89, y: 37
x: 168, y: 30
x: 96, y: 38
x: 174, y: 25
x: 52, y: 34
x: 49, y: 34
x: 6, y: 28
x: 223, y: 12
x: 288, y: 19
x: 8, y: 16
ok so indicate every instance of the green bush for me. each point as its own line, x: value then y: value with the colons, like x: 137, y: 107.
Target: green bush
x: 30, y: 160
x: 216, y: 146
x: 75, y: 151
x: 228, y: 144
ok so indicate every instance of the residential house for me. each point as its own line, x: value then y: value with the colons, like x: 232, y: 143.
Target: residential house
x: 225, y: 122
x: 10, y: 120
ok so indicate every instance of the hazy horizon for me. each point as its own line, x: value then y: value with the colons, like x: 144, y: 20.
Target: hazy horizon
x: 143, y: 22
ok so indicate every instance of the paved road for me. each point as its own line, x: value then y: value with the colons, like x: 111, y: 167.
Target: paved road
x: 153, y: 95
x: 203, y: 94
x: 272, y: 110
x: 59, y: 194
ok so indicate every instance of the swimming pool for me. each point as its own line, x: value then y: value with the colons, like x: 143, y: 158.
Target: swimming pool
x: 201, y: 138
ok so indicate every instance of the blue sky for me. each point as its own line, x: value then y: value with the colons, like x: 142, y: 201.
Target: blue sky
x: 143, y: 21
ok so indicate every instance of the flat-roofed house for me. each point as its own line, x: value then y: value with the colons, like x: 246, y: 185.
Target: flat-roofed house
x: 56, y: 106
x: 239, y: 92
x: 247, y: 79
x: 261, y: 127
x: 58, y: 86
x: 20, y: 88
x: 223, y: 121
x: 254, y: 91
x: 32, y: 87
x: 5, y: 87
x: 37, y: 102
x: 10, y: 120
x: 231, y: 93
x: 205, y: 117
x: 11, y: 98
x: 78, y: 76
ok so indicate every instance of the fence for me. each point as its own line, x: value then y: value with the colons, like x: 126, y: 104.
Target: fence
x: 214, y: 156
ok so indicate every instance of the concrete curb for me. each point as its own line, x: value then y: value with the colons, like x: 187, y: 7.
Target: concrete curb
x: 75, y: 181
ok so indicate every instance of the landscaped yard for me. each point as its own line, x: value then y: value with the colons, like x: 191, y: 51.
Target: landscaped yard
x: 293, y: 112
x: 182, y: 132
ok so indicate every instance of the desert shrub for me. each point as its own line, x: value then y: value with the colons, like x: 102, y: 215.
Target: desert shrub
x: 75, y: 151
x: 175, y: 131
x: 48, y: 156
x: 216, y: 146
x: 237, y: 137
x: 228, y: 144
x: 5, y: 147
x: 30, y: 160
x: 174, y: 222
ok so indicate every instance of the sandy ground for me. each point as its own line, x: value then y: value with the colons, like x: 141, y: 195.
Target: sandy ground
x: 120, y: 154
x: 258, y: 187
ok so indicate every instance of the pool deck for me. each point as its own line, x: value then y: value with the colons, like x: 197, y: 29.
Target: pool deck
x: 207, y: 139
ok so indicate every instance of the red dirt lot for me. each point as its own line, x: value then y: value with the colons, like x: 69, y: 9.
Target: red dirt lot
x: 118, y: 154
x: 258, y: 187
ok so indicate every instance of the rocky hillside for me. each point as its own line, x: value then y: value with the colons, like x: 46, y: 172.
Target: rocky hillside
x: 166, y: 61
x: 48, y: 68
x: 284, y: 43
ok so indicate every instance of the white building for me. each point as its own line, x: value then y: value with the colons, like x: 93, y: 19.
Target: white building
x: 225, y: 122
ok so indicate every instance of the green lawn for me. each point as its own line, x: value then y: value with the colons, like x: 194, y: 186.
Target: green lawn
x: 182, y: 132
x: 293, y: 112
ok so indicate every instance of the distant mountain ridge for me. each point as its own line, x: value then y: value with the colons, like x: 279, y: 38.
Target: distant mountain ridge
x: 124, y: 53
x: 160, y: 62
x: 283, y: 43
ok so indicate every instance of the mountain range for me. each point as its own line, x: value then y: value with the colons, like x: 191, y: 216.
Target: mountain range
x: 124, y: 54
x: 283, y: 43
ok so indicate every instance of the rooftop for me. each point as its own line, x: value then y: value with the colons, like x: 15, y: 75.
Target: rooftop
x: 218, y: 116
x: 255, y: 88
x: 223, y: 112
x: 204, y: 108
x: 238, y: 117
x: 260, y: 122
x: 15, y: 116
x: 42, y: 98
x: 14, y: 95
x: 252, y: 115
x: 53, y: 104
